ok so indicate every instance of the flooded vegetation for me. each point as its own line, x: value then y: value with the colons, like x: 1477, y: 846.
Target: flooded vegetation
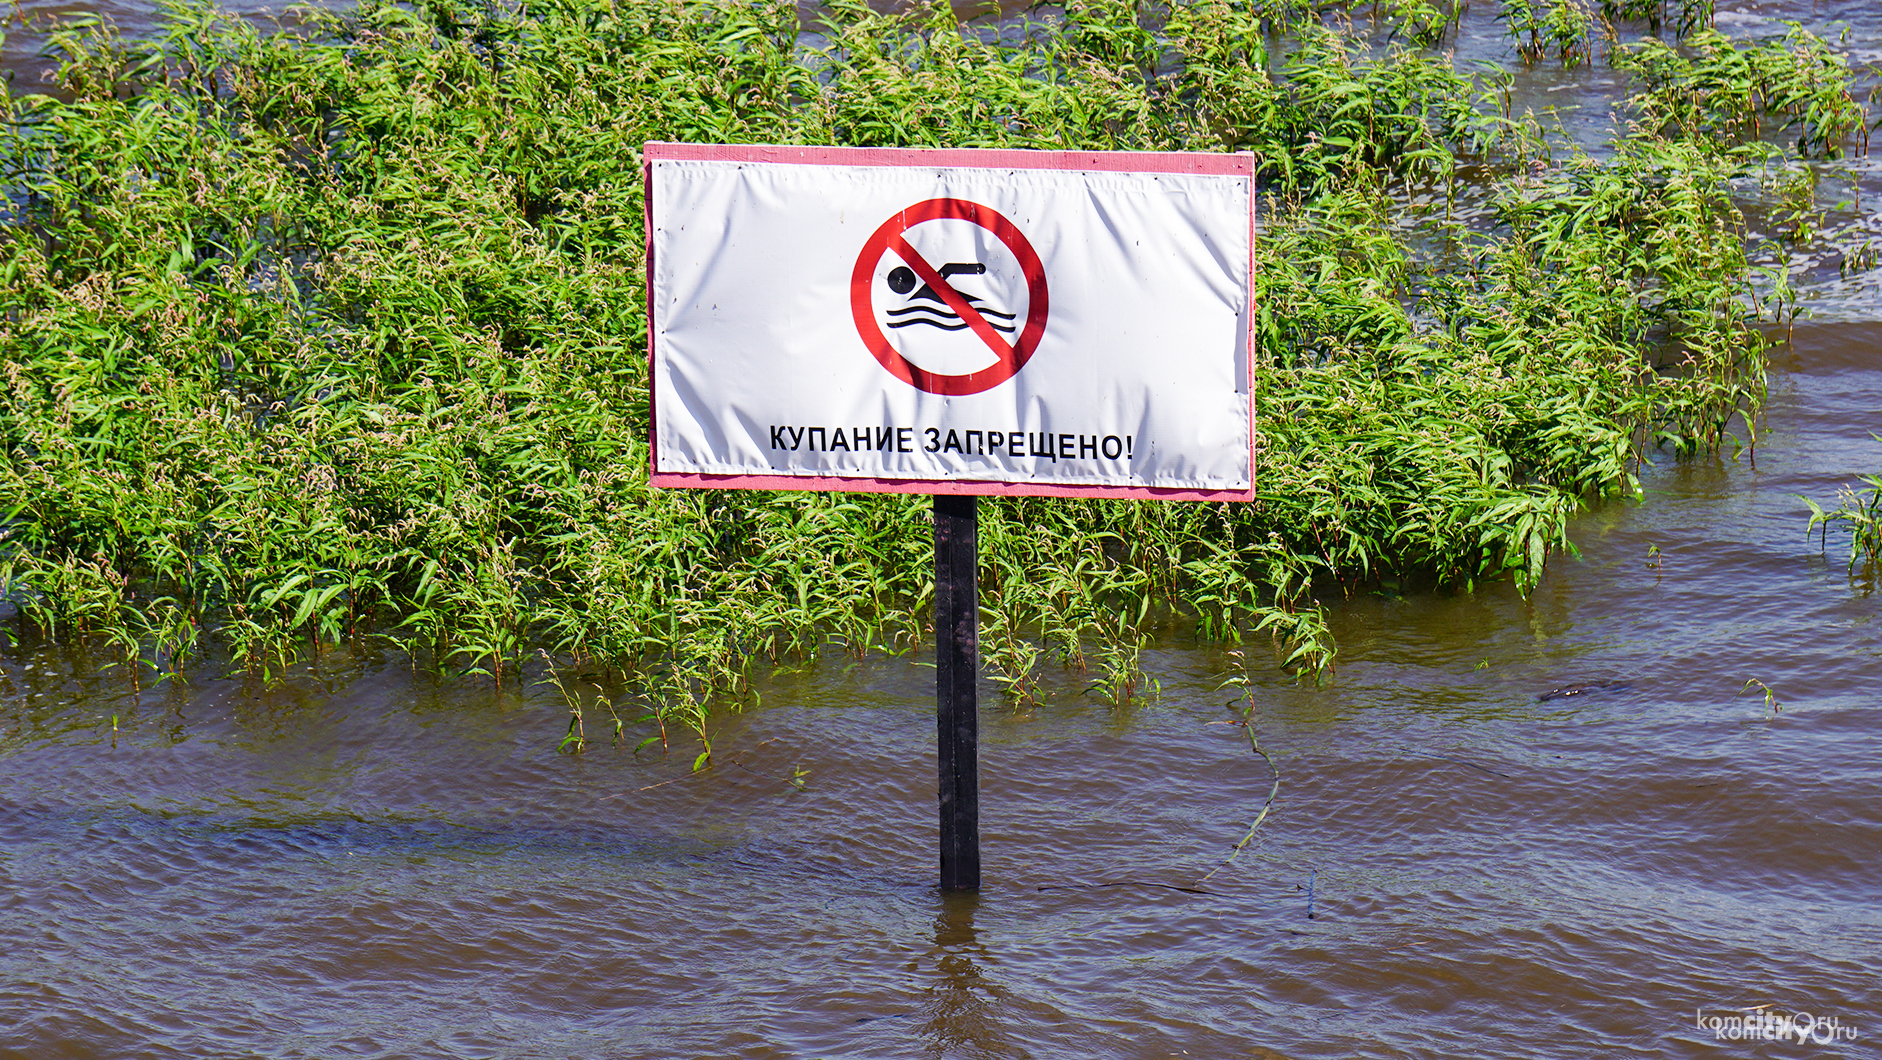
x: 358, y: 696
x: 336, y: 333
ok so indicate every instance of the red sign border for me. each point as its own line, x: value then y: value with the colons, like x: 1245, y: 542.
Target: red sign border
x: 1242, y: 164
x: 862, y: 305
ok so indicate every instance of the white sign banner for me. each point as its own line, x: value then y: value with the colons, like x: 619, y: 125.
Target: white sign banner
x: 951, y: 321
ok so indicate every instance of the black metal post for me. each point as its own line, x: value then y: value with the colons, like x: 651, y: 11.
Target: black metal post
x: 957, y: 664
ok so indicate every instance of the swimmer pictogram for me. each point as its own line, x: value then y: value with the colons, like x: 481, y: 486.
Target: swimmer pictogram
x: 931, y: 298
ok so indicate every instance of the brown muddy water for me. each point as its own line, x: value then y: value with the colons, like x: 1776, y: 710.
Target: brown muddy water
x: 368, y: 862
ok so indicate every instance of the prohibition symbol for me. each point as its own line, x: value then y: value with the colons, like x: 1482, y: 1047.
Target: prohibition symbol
x: 987, y: 324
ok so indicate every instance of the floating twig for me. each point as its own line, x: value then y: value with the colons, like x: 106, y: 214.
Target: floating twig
x: 1255, y: 746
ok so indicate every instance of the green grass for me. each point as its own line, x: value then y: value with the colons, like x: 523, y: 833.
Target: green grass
x: 1859, y: 514
x: 339, y: 333
x: 1714, y: 87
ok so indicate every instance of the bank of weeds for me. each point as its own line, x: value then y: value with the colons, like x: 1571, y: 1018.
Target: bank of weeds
x: 338, y: 332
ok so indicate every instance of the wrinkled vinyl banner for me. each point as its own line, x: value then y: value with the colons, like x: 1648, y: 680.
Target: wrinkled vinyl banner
x: 1052, y: 329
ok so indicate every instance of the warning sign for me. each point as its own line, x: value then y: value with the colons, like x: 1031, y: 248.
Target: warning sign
x: 951, y: 321
x: 930, y: 301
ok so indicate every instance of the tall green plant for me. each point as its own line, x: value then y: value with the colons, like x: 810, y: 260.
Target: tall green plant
x: 1718, y: 88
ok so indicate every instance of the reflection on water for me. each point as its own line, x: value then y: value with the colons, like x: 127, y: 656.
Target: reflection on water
x: 372, y: 862
x: 961, y: 1008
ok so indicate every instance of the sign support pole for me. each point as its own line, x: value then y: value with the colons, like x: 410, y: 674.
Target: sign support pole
x: 957, y: 665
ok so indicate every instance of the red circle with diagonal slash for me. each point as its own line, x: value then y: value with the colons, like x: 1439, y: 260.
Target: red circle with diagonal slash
x: 1011, y: 358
